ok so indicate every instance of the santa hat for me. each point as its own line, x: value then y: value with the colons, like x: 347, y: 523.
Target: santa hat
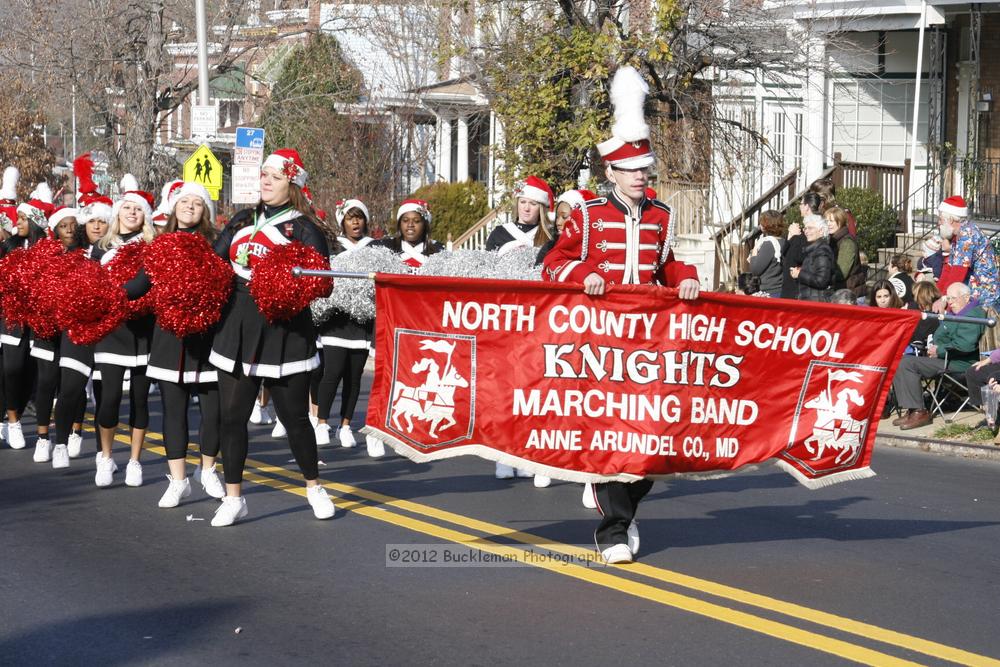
x: 576, y: 198
x: 954, y: 206
x: 162, y: 211
x: 628, y: 147
x: 536, y: 190
x: 186, y: 188
x: 39, y: 205
x: 8, y: 191
x: 8, y: 218
x: 288, y: 162
x: 347, y: 204
x: 129, y: 187
x: 417, y: 206
x: 61, y: 214
x: 94, y: 205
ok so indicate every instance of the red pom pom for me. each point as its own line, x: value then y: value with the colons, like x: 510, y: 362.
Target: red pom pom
x: 20, y: 271
x: 93, y: 305
x: 279, y: 294
x: 53, y: 283
x: 123, y: 267
x: 192, y: 283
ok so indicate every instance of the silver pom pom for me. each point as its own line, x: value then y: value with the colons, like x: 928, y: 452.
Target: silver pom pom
x: 356, y: 297
x: 515, y: 265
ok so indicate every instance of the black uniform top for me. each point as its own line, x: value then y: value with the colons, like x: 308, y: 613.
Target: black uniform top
x: 244, y: 336
x: 79, y: 358
x: 500, y: 237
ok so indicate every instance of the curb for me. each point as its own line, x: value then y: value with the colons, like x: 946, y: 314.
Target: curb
x: 940, y: 447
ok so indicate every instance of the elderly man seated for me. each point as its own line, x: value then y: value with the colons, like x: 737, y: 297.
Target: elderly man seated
x: 956, y: 345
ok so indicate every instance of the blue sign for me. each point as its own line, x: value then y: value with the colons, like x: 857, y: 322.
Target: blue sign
x: 250, y: 137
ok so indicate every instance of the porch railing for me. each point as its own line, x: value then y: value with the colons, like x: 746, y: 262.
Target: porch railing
x: 893, y: 183
x: 474, y: 238
x: 688, y: 204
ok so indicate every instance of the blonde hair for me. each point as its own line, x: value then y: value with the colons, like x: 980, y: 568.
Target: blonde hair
x: 544, y: 234
x: 111, y: 237
x: 838, y: 215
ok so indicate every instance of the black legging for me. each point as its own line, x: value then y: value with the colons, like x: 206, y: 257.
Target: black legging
x: 341, y: 363
x: 290, y: 396
x: 72, y: 403
x: 176, y: 398
x: 111, y: 396
x: 48, y: 385
x: 18, y: 375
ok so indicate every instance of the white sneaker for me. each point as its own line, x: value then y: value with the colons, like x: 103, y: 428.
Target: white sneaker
x: 74, y: 445
x: 267, y: 415
x: 43, y: 451
x: 633, y: 537
x: 503, y: 471
x: 133, y: 473
x: 106, y: 468
x: 231, y: 509
x: 541, y: 481
x: 3, y: 431
x: 60, y: 457
x: 589, y: 499
x: 15, y: 436
x: 322, y: 505
x: 346, y: 437
x: 376, y: 448
x: 322, y: 434
x: 619, y: 553
x: 177, y: 489
x: 524, y: 473
x: 256, y: 417
x: 314, y: 420
x: 279, y: 430
x: 211, y: 483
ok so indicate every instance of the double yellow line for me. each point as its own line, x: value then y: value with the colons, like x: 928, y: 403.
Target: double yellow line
x: 376, y: 506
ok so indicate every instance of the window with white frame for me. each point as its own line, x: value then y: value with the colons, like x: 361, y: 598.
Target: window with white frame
x: 872, y: 119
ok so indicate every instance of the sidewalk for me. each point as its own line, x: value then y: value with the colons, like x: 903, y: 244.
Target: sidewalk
x: 923, y: 438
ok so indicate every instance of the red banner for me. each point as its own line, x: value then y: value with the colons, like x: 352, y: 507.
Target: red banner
x: 633, y: 384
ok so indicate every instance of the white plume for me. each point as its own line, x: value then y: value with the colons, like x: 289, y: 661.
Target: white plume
x: 628, y: 97
x: 42, y: 192
x: 10, y: 178
x: 128, y: 183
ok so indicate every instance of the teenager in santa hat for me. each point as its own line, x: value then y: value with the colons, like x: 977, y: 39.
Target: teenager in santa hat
x: 250, y: 352
x: 126, y: 349
x: 971, y: 258
x: 345, y: 341
x: 182, y: 368
x: 62, y: 227
x: 162, y: 211
x: 565, y: 204
x: 412, y: 240
x: 530, y: 228
x: 18, y: 366
x: 76, y: 362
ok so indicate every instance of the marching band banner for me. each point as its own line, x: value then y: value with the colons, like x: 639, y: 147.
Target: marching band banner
x: 634, y: 384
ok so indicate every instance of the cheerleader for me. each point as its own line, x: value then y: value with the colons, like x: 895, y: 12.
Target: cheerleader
x: 76, y: 362
x: 249, y: 351
x: 127, y: 347
x: 8, y: 225
x: 345, y: 342
x: 182, y: 368
x: 18, y: 365
x: 412, y: 241
x: 531, y: 229
x: 62, y: 227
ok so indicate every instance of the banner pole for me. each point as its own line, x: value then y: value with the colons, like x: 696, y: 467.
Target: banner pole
x: 945, y: 317
x: 298, y: 271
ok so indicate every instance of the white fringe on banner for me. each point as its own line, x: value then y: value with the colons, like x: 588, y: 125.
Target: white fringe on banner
x: 490, y: 454
x: 825, y: 480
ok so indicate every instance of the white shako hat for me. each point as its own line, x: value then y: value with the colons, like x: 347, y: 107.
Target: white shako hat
x: 628, y: 147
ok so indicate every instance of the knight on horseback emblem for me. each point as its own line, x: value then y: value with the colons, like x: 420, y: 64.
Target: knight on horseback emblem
x: 433, y: 401
x: 835, y: 428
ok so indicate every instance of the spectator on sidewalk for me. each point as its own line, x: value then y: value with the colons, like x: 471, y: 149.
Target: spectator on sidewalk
x: 883, y: 295
x: 955, y: 348
x: 765, y: 261
x: 815, y: 276
x: 847, y: 270
x: 925, y: 293
x: 810, y: 204
x: 971, y: 259
x: 900, y: 270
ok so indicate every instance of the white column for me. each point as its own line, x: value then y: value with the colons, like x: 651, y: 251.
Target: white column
x: 814, y: 147
x: 462, y: 168
x: 444, y: 156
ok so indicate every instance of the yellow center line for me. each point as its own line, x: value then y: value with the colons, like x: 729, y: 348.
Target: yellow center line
x: 617, y: 582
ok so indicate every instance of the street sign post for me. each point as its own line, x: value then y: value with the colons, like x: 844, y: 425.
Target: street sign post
x: 203, y: 167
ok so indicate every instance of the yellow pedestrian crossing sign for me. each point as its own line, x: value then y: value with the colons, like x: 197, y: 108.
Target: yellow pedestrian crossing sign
x: 204, y: 168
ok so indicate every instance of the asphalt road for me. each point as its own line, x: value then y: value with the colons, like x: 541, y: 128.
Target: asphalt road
x: 751, y: 569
